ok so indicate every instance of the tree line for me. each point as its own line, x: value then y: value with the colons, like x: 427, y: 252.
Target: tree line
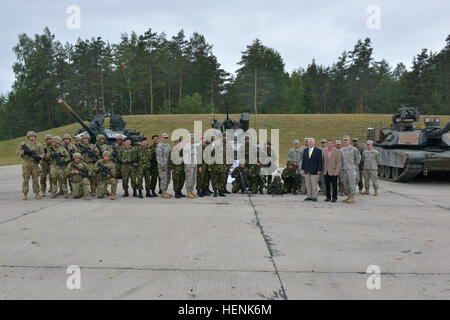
x: 156, y: 74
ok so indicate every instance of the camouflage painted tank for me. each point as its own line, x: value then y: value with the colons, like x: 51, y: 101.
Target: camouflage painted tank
x: 407, y: 151
x: 117, y: 126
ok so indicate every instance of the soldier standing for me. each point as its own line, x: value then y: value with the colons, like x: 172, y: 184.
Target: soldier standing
x: 45, y: 164
x: 217, y: 171
x: 295, y: 157
x: 340, y: 181
x: 350, y: 160
x: 201, y: 173
x: 154, y: 166
x: 101, y: 146
x: 127, y: 158
x: 89, y: 157
x: 360, y: 167
x: 59, y: 158
x: 163, y: 155
x: 106, y: 174
x: 177, y: 169
x: 78, y: 173
x: 190, y: 159
x: 143, y: 159
x: 228, y: 157
x: 207, y: 179
x: 71, y: 149
x: 31, y: 152
x: 115, y: 155
x: 371, y: 158
x: 240, y: 181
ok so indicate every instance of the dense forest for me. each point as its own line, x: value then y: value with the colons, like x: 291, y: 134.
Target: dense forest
x: 156, y: 74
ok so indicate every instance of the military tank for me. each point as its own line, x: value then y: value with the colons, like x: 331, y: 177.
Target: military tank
x: 228, y: 123
x: 407, y: 151
x: 117, y: 127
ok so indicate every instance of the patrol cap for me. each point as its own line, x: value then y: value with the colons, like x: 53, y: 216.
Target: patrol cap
x: 67, y: 136
x: 370, y: 142
x: 306, y: 139
x: 31, y: 133
x: 77, y: 155
x: 296, y: 141
x: 155, y: 136
x: 323, y: 141
x: 338, y: 142
x: 49, y: 136
x: 346, y: 138
x: 100, y: 136
x: 355, y: 139
x: 165, y: 135
x: 107, y: 153
x: 290, y: 163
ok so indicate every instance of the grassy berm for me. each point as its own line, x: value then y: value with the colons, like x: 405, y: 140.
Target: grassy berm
x: 291, y: 127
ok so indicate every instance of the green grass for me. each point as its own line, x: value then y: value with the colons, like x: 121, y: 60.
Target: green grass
x: 291, y: 127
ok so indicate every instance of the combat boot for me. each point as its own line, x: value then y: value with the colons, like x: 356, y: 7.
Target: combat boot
x: 37, y: 196
x: 53, y: 195
x: 182, y: 195
x: 141, y: 196
x: 135, y: 193
x: 125, y: 194
x: 147, y: 193
x: 215, y: 194
x: 375, y: 194
x: 154, y: 195
x: 262, y: 192
x: 25, y: 196
x: 221, y: 194
x: 60, y: 193
x: 190, y: 195
x: 294, y: 192
x: 93, y: 193
x: 160, y: 191
x: 200, y: 193
x: 206, y: 192
x: 86, y: 197
x: 365, y: 193
x: 42, y: 194
x: 351, y: 199
x: 107, y: 192
x: 177, y: 195
x: 226, y: 191
x: 113, y: 196
x: 165, y: 195
x: 346, y: 199
x: 66, y: 196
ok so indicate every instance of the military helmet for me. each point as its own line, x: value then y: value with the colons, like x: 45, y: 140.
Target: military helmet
x: 85, y: 136
x: 77, y: 155
x: 49, y: 136
x: 31, y: 133
x: 100, y: 136
x: 57, y: 139
x: 107, y: 153
x: 290, y: 163
x: 67, y: 136
x: 78, y: 138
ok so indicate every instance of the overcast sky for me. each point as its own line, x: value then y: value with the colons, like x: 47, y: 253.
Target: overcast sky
x: 299, y: 30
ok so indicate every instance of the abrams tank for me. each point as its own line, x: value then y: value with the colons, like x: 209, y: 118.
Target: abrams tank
x: 117, y: 127
x: 407, y: 151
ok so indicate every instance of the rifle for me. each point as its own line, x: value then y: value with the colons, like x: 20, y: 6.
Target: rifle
x: 30, y: 153
x: 243, y: 181
x: 58, y: 159
x: 104, y: 171
x: 263, y: 182
x: 115, y: 156
x: 99, y: 150
x: 88, y: 151
x: 69, y: 151
x: 82, y: 172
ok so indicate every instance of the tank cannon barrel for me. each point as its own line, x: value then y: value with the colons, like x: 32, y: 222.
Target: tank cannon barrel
x: 66, y: 107
x: 443, y: 131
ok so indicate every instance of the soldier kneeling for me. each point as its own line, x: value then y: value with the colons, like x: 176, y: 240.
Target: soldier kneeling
x: 79, y: 175
x: 105, y: 170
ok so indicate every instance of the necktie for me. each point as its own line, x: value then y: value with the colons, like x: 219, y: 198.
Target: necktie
x: 310, y: 151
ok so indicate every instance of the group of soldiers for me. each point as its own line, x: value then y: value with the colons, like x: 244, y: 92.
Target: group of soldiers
x: 89, y: 169
x: 359, y: 167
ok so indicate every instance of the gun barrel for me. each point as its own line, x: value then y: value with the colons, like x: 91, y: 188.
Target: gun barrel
x: 66, y: 107
x: 443, y: 131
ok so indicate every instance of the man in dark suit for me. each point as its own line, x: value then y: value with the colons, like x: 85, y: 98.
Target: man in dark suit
x: 312, y: 168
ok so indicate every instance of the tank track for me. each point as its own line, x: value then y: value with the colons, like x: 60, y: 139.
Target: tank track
x: 409, y: 172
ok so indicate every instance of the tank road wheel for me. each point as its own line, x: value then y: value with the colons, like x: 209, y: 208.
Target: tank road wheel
x: 395, y: 173
x: 380, y: 171
x: 387, y: 172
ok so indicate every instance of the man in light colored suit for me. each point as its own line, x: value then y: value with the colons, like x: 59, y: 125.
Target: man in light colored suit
x: 332, y: 164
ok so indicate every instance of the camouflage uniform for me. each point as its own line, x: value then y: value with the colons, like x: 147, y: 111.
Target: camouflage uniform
x: 163, y: 155
x: 276, y: 187
x: 80, y: 184
x: 360, y: 168
x: 153, y: 169
x: 103, y: 179
x: 89, y: 159
x: 178, y: 175
x: 350, y: 161
x: 295, y: 156
x: 202, y: 176
x: 30, y: 168
x: 217, y: 174
x: 191, y: 153
x: 144, y: 158
x: 289, y: 175
x: 127, y: 158
x: 45, y: 165
x: 371, y: 161
x: 255, y: 179
x: 115, y: 158
x: 237, y: 182
x: 101, y: 147
x: 58, y: 171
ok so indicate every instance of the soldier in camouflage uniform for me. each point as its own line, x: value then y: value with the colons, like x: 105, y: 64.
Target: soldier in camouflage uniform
x: 256, y: 181
x: 45, y: 164
x: 289, y: 175
x: 58, y: 167
x: 227, y: 151
x: 80, y: 183
x: 71, y: 149
x: 360, y: 168
x: 127, y: 157
x: 201, y: 173
x: 154, y: 166
x: 340, y: 182
x: 350, y: 160
x: 371, y: 158
x: 101, y: 146
x: 217, y: 170
x: 163, y: 156
x: 295, y: 156
x: 177, y: 169
x: 143, y: 158
x: 191, y: 158
x: 115, y: 155
x: 207, y: 180
x: 30, y: 167
x: 89, y: 157
x: 324, y: 148
x: 104, y: 177
x: 276, y: 186
x: 240, y: 181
